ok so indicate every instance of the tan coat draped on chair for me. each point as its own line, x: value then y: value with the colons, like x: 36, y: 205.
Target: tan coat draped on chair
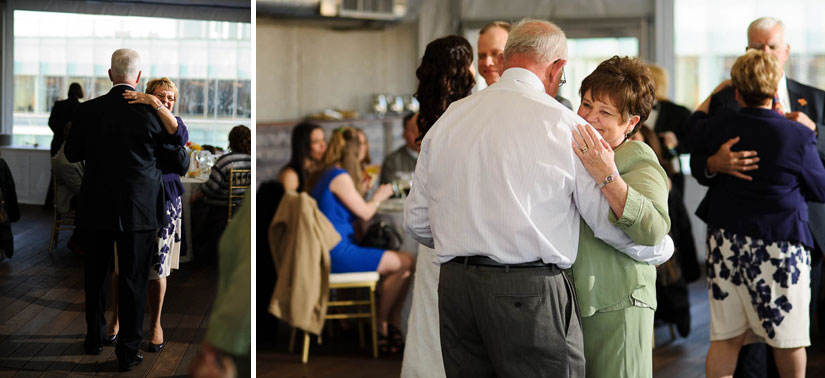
x: 300, y: 237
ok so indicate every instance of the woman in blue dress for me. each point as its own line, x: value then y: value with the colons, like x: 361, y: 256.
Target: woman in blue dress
x: 342, y: 201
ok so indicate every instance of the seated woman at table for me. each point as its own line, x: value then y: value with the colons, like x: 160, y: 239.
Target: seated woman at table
x: 616, y: 292
x: 161, y: 94
x: 759, y: 241
x: 308, y: 147
x: 342, y: 201
x: 210, y: 201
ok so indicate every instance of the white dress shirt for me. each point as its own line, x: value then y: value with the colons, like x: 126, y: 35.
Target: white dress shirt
x: 497, y: 176
x: 784, y: 96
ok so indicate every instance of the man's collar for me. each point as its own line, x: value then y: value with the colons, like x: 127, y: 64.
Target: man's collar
x: 411, y: 151
x: 128, y: 85
x: 523, y: 75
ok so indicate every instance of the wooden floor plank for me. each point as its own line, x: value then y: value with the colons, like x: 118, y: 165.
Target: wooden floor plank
x: 42, y: 321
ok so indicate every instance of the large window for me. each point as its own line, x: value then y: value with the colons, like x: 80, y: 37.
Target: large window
x: 210, y: 61
x: 709, y: 35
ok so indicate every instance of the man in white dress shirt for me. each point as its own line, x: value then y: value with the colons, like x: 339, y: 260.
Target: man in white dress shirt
x: 498, y: 193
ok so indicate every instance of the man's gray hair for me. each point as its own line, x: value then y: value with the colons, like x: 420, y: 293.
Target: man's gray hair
x: 541, y: 39
x: 766, y: 24
x: 125, y: 64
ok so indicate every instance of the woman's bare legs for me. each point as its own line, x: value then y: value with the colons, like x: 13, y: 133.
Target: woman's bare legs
x: 157, y: 292
x: 722, y: 356
x: 113, y: 326
x: 790, y: 362
x: 395, y: 267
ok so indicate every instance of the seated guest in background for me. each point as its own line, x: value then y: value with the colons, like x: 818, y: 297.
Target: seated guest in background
x: 161, y: 94
x: 308, y: 147
x: 209, y: 203
x: 215, y: 191
x: 69, y: 176
x: 342, y: 201
x: 759, y: 240
x: 422, y: 353
x: 403, y: 159
x: 617, y: 292
x: 62, y: 113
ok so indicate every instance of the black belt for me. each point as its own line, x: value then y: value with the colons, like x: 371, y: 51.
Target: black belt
x: 486, y: 261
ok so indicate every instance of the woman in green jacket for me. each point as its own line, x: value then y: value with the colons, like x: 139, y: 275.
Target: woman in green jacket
x: 617, y: 294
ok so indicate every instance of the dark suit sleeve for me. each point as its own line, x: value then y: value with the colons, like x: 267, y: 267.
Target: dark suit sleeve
x: 680, y: 118
x: 53, y: 118
x: 702, y: 150
x: 813, y: 173
x: 74, y: 149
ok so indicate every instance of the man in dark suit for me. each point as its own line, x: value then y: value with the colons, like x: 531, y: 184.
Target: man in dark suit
x: 62, y: 113
x: 121, y: 202
x: 799, y: 102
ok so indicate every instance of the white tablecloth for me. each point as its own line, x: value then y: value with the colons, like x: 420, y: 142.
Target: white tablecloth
x: 190, y: 184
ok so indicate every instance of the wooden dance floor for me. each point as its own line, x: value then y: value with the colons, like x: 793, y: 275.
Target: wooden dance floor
x: 42, y: 322
x: 341, y: 356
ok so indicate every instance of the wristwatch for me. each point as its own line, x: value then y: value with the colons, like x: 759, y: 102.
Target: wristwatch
x: 608, y: 179
x: 158, y: 109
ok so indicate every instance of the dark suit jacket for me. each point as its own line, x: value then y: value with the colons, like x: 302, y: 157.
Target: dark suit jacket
x: 673, y: 117
x: 772, y: 207
x: 62, y: 113
x: 805, y: 99
x: 122, y: 146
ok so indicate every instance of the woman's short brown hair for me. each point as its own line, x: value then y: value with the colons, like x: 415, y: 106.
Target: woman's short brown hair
x: 627, y: 83
x: 756, y: 76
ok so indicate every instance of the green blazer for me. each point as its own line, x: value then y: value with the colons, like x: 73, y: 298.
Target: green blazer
x: 605, y: 278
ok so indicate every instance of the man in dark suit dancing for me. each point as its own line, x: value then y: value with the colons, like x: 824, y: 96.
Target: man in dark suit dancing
x: 799, y: 102
x: 121, y: 201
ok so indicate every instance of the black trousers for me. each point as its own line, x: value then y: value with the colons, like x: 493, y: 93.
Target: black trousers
x: 135, y: 250
x: 517, y: 322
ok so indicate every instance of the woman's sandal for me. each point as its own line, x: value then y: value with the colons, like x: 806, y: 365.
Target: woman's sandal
x: 391, y: 343
x: 386, y: 347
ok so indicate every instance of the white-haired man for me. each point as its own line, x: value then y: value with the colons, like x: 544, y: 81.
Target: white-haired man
x: 121, y: 201
x: 491, y: 41
x: 502, y: 210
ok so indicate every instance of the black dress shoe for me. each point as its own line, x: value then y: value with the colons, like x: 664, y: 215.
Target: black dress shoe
x: 93, y: 350
x: 110, y: 340
x: 127, y: 364
x: 154, y: 348
x: 683, y: 324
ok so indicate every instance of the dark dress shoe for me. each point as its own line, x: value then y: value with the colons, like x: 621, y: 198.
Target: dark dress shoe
x: 127, y: 364
x: 154, y: 348
x: 110, y: 340
x: 683, y: 324
x: 93, y: 350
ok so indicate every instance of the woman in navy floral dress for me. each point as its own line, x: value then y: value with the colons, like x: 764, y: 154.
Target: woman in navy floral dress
x: 161, y: 94
x: 758, y: 247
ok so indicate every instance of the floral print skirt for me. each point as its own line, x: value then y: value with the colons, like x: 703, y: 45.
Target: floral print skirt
x: 167, y: 256
x: 759, y: 288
